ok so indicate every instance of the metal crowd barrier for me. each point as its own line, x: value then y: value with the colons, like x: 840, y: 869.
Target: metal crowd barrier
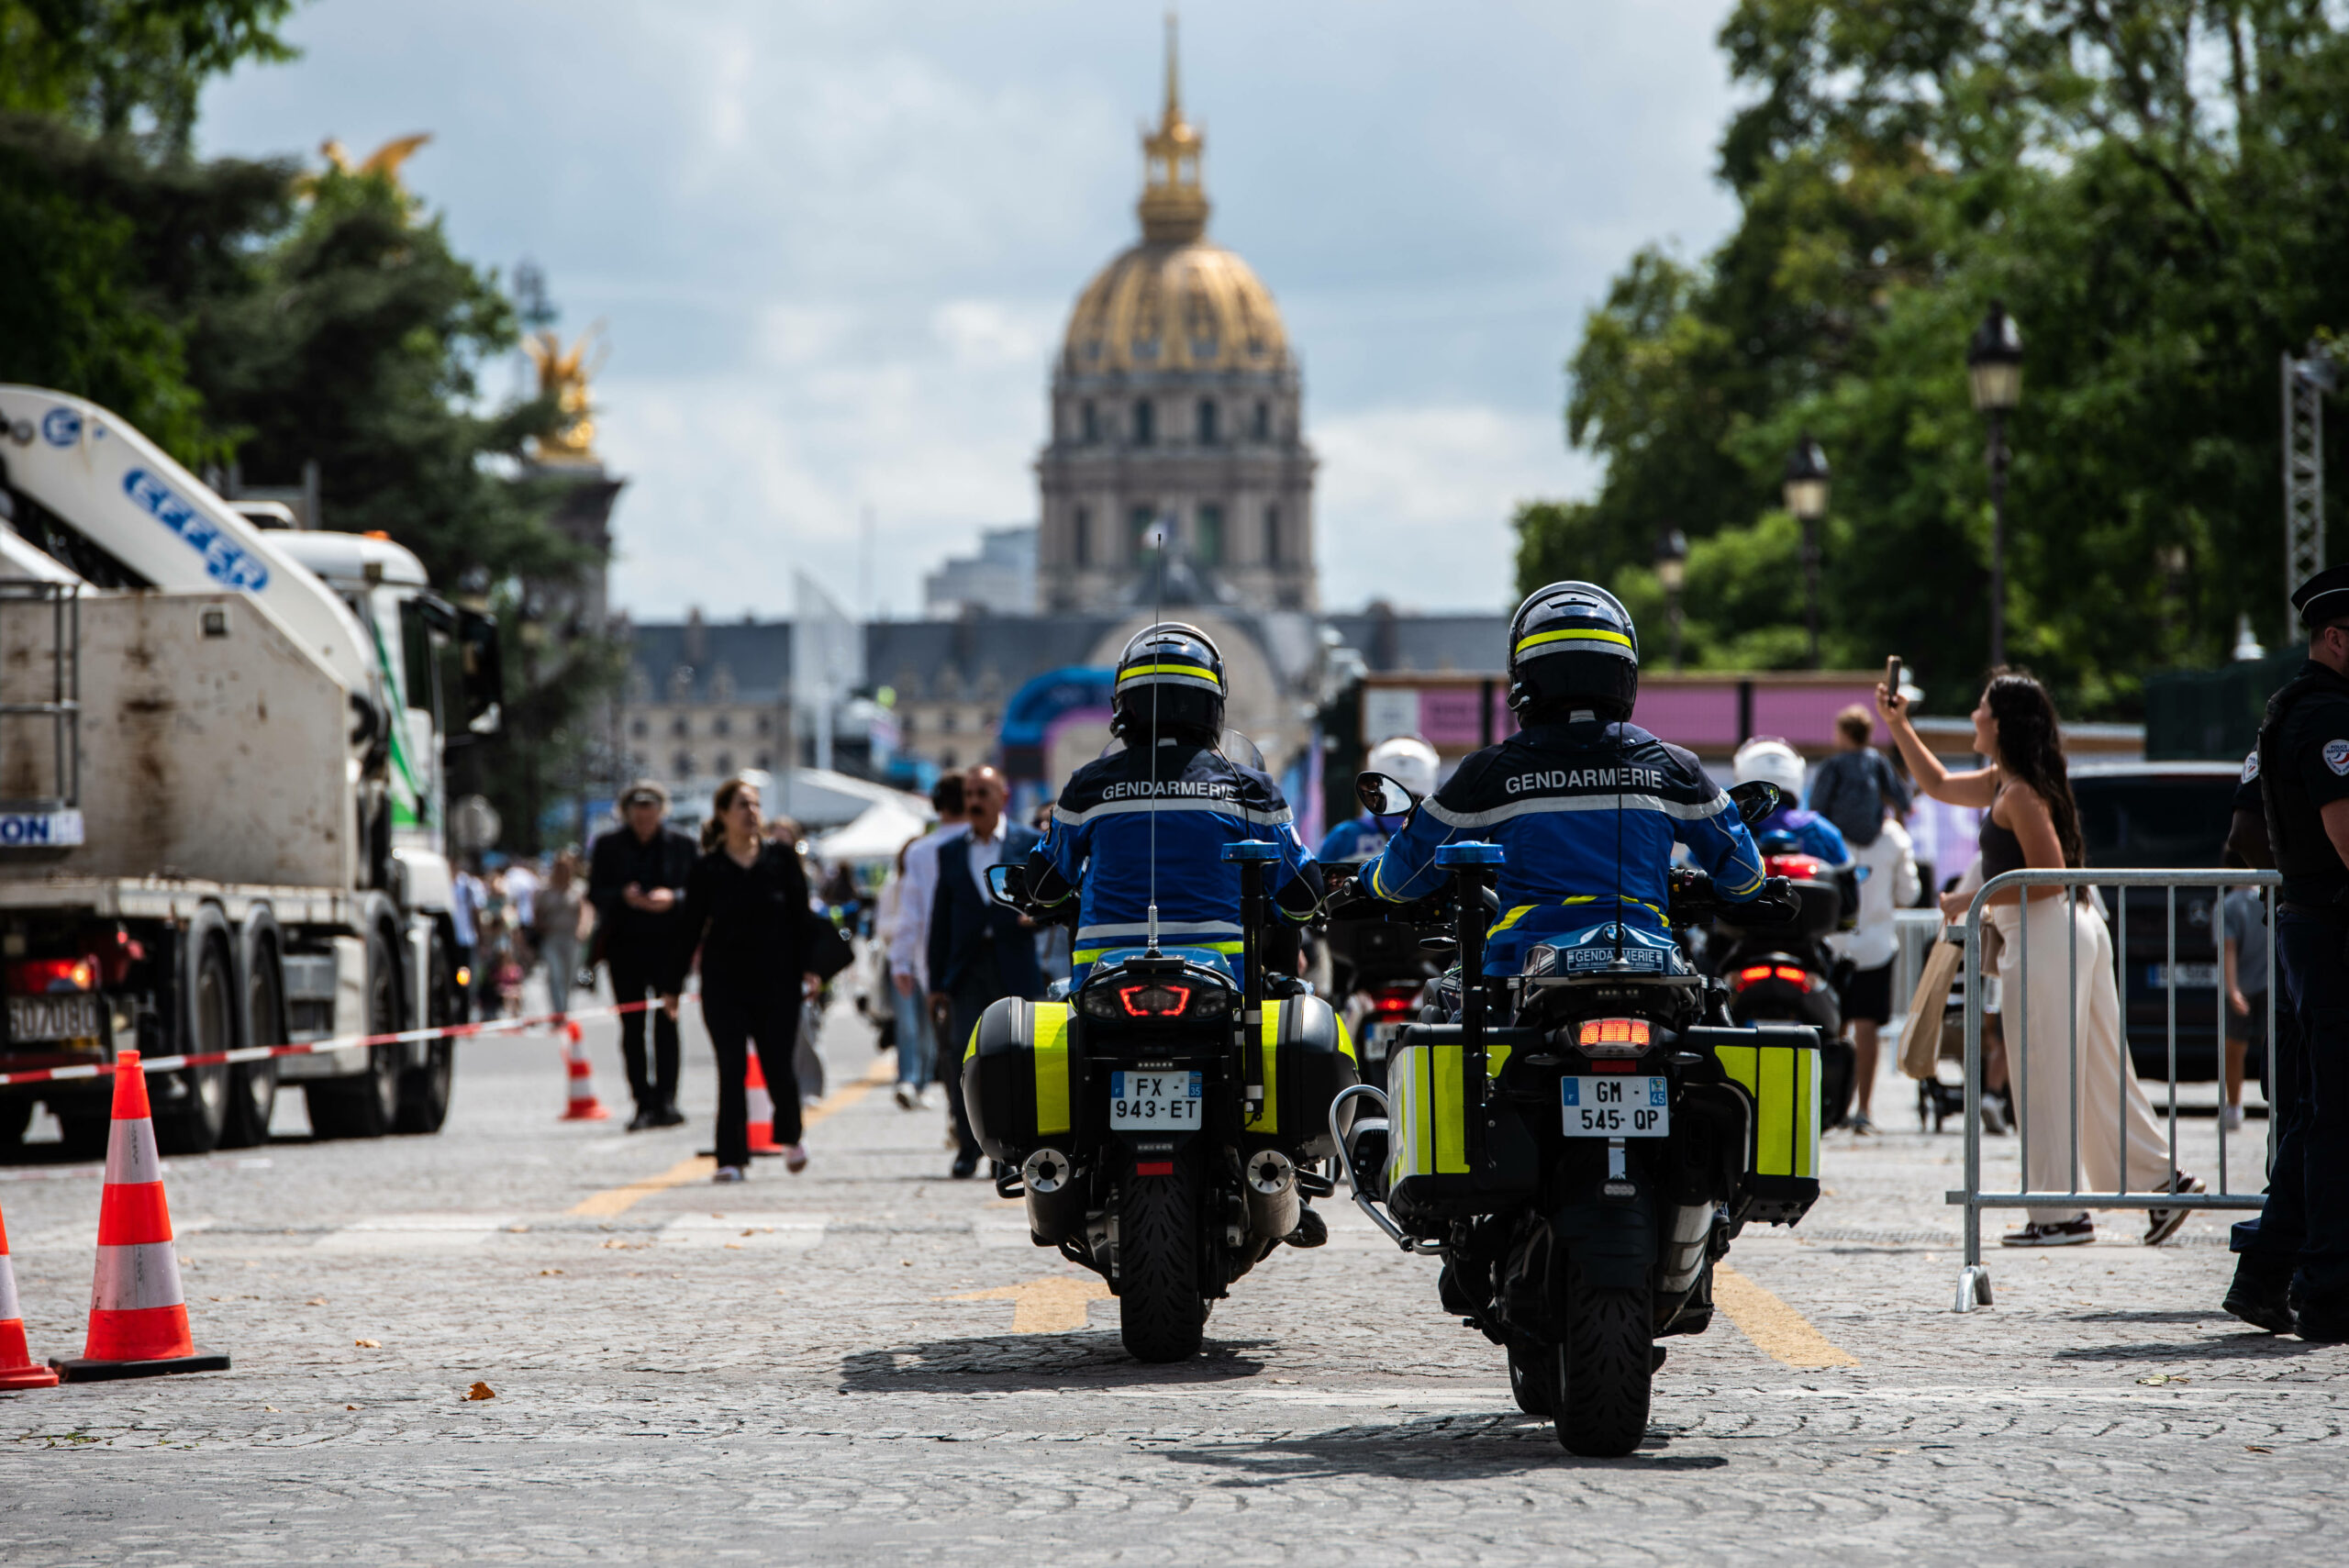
x: 1974, y: 1279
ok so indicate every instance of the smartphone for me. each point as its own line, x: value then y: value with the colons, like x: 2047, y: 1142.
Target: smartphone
x: 1892, y: 678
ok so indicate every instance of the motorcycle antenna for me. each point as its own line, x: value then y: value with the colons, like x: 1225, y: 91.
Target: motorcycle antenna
x: 1157, y: 613
x: 1620, y: 770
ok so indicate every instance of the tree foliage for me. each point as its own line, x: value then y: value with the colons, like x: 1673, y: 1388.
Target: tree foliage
x: 2159, y: 192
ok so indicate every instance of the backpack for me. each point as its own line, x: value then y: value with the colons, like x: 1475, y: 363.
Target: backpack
x: 1851, y: 790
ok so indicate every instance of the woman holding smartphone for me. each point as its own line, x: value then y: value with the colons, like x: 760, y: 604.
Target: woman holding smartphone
x: 2032, y: 822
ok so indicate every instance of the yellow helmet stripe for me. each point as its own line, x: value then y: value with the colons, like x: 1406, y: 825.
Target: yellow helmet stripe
x: 1577, y: 634
x: 1197, y: 672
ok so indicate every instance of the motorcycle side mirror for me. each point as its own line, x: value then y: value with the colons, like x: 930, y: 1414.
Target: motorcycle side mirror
x: 1007, y: 885
x: 1756, y: 799
x: 1382, y: 796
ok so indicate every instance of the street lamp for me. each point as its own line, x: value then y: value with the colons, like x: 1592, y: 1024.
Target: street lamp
x: 1994, y: 367
x: 1806, y: 499
x: 1672, y: 571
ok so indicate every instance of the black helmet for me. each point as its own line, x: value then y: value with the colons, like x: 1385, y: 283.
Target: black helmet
x: 1170, y: 675
x: 1572, y: 645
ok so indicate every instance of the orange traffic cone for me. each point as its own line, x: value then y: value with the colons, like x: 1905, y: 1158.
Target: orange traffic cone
x: 138, y: 1315
x: 584, y: 1105
x: 17, y: 1368
x: 761, y: 1107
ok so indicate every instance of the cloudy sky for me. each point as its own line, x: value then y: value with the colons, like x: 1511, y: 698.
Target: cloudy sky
x: 833, y: 243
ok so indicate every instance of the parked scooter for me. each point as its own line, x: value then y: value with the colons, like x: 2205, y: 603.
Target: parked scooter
x: 1165, y: 1126
x: 1580, y: 1143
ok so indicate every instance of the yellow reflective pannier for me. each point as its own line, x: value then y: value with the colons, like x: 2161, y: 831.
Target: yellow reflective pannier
x: 1776, y: 1066
x: 1309, y: 1058
x: 1431, y: 1173
x: 1020, y: 1076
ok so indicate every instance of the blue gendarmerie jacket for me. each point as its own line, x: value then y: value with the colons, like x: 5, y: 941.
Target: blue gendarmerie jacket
x: 1549, y: 796
x: 1099, y: 844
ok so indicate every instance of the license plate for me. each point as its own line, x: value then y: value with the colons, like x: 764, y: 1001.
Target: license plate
x: 2190, y: 976
x: 1617, y: 1106
x: 1160, y: 1101
x: 53, y: 1017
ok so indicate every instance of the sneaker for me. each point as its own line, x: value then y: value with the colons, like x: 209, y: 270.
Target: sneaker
x: 2161, y: 1224
x: 907, y: 1096
x: 1995, y: 1120
x: 2070, y: 1233
x: 1311, y: 1231
x: 1861, y: 1125
x: 727, y: 1173
x: 2262, y: 1302
x: 794, y: 1158
x: 2231, y: 1117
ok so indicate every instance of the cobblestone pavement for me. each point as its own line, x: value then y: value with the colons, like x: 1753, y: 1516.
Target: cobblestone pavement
x: 833, y: 1367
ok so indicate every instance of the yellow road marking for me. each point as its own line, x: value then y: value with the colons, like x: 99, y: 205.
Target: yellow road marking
x: 1777, y: 1329
x: 1052, y: 1305
x: 619, y: 1200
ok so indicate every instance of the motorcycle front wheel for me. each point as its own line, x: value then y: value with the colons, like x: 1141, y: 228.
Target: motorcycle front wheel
x: 1605, y: 1369
x: 1161, y: 1315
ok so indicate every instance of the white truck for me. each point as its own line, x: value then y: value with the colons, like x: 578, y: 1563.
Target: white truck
x: 222, y: 809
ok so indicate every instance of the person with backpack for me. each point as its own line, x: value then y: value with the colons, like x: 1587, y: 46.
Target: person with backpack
x: 1857, y: 786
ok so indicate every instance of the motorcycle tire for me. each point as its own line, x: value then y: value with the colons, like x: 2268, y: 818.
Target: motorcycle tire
x: 1530, y: 1370
x: 1606, y: 1369
x: 1161, y: 1313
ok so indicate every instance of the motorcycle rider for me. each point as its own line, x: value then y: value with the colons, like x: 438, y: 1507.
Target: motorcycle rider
x: 1587, y: 804
x: 1775, y: 762
x: 1149, y: 819
x: 1409, y: 761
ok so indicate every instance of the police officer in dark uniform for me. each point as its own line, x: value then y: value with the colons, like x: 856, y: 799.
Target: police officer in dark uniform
x: 2293, y: 1274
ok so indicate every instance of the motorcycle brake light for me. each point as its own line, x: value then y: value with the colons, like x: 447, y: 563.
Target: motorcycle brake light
x: 1155, y: 1001
x: 1792, y: 975
x: 1395, y: 1004
x: 1613, y: 1036
x: 1753, y: 976
x: 1801, y: 868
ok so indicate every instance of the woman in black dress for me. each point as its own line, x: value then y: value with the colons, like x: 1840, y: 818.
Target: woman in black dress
x: 746, y: 908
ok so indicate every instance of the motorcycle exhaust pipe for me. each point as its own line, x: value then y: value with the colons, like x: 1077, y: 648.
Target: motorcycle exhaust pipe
x: 1274, y: 1204
x: 1055, y: 1198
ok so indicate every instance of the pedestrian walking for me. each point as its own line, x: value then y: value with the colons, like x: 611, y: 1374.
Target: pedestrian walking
x: 2293, y: 1271
x: 745, y: 907
x: 1888, y: 883
x: 557, y: 914
x: 635, y: 875
x: 908, y: 998
x: 909, y: 948
x: 2032, y: 822
x: 979, y: 950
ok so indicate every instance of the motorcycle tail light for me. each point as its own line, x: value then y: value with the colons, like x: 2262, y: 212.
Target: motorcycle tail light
x: 1757, y: 974
x: 1390, y: 1005
x: 50, y: 976
x: 1798, y: 868
x: 1613, y: 1036
x: 1793, y: 976
x: 1155, y: 1001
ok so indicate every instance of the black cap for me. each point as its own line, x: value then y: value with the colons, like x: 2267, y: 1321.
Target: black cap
x: 2323, y: 598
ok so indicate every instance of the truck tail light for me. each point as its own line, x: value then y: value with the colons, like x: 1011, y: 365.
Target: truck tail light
x: 50, y: 976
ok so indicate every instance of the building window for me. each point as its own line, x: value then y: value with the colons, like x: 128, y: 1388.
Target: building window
x: 1141, y: 525
x: 766, y: 727
x: 725, y: 763
x: 1091, y: 419
x: 722, y: 725
x: 1145, y: 423
x: 946, y: 758
x: 1207, y: 422
x: 1081, y: 535
x: 766, y: 762
x: 681, y: 727
x: 1273, y: 536
x: 685, y: 761
x: 1208, y: 544
x: 946, y: 720
x: 1264, y: 421
x: 639, y: 729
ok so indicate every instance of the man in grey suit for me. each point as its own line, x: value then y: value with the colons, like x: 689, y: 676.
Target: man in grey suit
x: 979, y: 952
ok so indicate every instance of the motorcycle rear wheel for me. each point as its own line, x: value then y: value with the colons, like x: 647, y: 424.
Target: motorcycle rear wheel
x: 1161, y: 1315
x: 1605, y: 1369
x: 1532, y: 1365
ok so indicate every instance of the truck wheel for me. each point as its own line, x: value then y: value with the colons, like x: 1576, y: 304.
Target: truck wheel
x: 367, y: 1105
x: 424, y: 1091
x: 195, y: 1125
x: 1530, y: 1371
x: 253, y: 1085
x: 1605, y: 1368
x: 1162, y: 1315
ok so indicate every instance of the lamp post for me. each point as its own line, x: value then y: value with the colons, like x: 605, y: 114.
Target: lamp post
x: 1806, y: 493
x: 1994, y: 369
x: 1672, y: 571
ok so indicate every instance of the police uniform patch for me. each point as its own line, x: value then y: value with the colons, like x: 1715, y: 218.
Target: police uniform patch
x: 2336, y: 756
x: 2250, y: 767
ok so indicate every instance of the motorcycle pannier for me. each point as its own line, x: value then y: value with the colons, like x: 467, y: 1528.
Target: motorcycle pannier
x: 1777, y: 1067
x: 1019, y: 1077
x: 1430, y: 1170
x: 1307, y: 1059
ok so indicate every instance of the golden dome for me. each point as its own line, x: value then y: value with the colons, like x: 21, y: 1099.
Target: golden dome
x: 1177, y: 301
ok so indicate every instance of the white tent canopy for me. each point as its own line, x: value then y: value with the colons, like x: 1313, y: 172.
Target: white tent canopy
x: 877, y: 835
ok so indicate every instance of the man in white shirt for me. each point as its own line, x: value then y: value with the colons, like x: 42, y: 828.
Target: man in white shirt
x: 909, y: 941
x: 1890, y: 882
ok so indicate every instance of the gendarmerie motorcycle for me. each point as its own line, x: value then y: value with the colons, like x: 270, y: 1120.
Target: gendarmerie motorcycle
x: 1164, y: 1124
x: 1581, y: 1142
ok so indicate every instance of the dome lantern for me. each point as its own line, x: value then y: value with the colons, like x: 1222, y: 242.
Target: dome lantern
x: 1174, y: 204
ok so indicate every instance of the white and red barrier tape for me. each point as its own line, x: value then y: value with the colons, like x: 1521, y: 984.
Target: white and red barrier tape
x: 312, y: 1047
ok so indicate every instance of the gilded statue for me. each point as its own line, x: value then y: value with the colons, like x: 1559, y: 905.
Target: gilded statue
x: 385, y: 160
x: 563, y: 376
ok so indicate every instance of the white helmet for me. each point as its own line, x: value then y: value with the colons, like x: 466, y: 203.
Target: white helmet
x: 1409, y: 760
x: 1772, y: 762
